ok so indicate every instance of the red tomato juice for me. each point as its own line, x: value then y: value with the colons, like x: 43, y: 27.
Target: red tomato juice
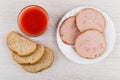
x: 33, y: 20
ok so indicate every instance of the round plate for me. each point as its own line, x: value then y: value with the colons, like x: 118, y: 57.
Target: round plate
x: 69, y: 51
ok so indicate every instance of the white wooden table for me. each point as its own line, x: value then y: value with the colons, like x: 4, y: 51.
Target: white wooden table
x: 62, y: 69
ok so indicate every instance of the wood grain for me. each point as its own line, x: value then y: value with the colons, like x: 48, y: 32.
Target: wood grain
x: 62, y: 69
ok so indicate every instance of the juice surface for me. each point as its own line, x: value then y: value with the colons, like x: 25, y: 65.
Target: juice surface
x: 33, y: 20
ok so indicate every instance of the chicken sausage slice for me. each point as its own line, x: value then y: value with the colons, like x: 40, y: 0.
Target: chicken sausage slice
x: 69, y: 31
x: 89, y: 18
x: 90, y: 44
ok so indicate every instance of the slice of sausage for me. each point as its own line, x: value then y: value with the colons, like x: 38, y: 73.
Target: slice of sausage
x: 69, y: 31
x: 90, y: 19
x: 90, y: 44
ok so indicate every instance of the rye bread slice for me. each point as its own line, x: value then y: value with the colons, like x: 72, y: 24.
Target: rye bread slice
x: 19, y: 44
x: 44, y: 63
x: 31, y: 59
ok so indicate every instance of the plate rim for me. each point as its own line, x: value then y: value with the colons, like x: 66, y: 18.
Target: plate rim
x: 80, y: 8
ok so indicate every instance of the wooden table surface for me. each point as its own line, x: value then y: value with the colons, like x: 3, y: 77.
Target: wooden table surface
x: 62, y: 69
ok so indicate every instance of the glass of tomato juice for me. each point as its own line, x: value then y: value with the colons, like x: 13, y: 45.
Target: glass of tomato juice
x: 33, y: 20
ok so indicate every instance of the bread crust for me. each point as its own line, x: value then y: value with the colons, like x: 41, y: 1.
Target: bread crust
x: 22, y: 60
x: 43, y: 68
x: 17, y: 52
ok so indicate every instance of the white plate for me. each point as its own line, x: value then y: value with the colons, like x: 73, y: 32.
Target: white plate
x: 68, y: 50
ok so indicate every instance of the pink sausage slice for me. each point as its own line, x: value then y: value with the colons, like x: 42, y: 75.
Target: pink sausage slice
x: 90, y: 44
x: 90, y: 19
x: 69, y: 31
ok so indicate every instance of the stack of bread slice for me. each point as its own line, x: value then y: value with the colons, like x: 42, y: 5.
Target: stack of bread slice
x: 31, y: 56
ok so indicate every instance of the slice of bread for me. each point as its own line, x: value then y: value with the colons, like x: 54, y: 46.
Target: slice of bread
x: 44, y: 63
x: 19, y: 44
x: 31, y: 59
